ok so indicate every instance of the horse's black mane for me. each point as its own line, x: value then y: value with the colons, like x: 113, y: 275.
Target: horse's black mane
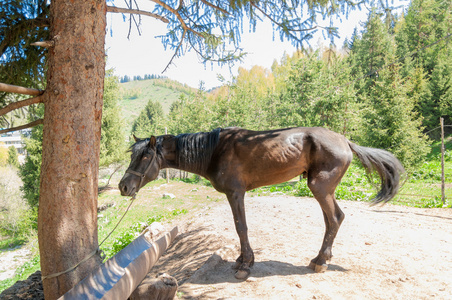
x: 194, y: 150
x: 138, y: 148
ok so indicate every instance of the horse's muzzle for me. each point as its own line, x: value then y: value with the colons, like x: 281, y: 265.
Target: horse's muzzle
x: 127, y: 189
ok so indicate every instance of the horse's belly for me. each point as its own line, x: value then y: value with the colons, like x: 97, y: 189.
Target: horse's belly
x: 269, y: 177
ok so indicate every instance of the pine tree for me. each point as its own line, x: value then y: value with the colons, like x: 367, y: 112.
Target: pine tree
x: 247, y: 103
x: 150, y: 121
x: 389, y: 111
x: 424, y: 31
x: 112, y: 141
x: 440, y: 103
x: 316, y: 93
x: 13, y: 158
x: 394, y: 124
x: 371, y: 52
x: 30, y: 170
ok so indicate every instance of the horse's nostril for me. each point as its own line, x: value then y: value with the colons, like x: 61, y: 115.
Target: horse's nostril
x: 124, y: 188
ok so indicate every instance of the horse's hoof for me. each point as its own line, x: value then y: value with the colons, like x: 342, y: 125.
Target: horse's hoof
x: 242, y: 274
x: 321, y: 268
x: 317, y: 268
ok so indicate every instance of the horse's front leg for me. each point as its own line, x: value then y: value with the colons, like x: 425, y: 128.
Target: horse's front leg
x: 246, y: 258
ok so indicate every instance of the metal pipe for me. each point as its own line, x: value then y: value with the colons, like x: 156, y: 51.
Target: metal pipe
x: 118, y: 277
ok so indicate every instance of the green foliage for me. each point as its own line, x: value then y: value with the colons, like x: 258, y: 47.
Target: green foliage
x: 248, y: 102
x: 13, y: 157
x: 112, y: 141
x: 22, y: 23
x: 150, y: 121
x: 434, y: 202
x: 390, y: 120
x: 393, y: 123
x: 427, y: 23
x: 303, y: 190
x: 22, y: 273
x: 127, y: 236
x: 16, y: 217
x: 30, y: 171
x: 312, y: 96
x: 192, y: 113
x: 3, y: 155
x: 218, y: 27
x: 165, y: 90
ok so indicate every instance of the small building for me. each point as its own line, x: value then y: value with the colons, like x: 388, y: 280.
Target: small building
x: 14, y: 139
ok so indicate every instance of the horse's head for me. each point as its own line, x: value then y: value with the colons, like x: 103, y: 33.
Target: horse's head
x: 144, y: 166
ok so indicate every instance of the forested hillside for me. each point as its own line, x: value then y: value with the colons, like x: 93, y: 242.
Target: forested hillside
x: 134, y: 95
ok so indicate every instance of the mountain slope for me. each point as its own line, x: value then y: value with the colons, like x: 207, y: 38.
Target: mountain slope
x: 134, y: 96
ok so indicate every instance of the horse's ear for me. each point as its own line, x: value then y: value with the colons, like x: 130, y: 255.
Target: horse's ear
x: 136, y: 139
x: 152, y: 141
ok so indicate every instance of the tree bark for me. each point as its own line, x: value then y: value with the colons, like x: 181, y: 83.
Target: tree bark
x: 67, y: 220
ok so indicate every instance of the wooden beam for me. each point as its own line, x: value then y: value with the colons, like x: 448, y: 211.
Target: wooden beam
x: 9, y: 88
x: 32, y: 124
x: 118, y: 277
x: 19, y: 104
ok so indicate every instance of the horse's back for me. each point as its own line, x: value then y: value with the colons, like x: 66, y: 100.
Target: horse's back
x: 258, y: 158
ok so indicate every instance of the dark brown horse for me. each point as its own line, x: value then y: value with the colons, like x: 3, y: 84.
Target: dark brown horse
x: 236, y: 160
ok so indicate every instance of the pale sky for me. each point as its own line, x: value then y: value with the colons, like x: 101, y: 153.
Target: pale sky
x: 145, y: 54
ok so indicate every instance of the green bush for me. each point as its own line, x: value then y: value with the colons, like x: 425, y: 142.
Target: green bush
x: 130, y: 234
x: 16, y: 217
x: 13, y: 157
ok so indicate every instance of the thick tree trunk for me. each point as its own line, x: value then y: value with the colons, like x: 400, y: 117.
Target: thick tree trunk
x: 67, y: 221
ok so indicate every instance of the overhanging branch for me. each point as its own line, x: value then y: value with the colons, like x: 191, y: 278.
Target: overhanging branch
x: 32, y: 124
x: 19, y: 104
x: 215, y: 7
x: 179, y: 17
x: 114, y: 9
x: 176, y: 52
x: 9, y: 88
x: 277, y: 23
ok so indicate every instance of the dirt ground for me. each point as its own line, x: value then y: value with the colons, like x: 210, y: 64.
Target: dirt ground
x: 12, y: 259
x: 383, y: 252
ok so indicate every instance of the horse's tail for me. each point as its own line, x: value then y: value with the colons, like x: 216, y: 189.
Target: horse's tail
x: 387, y: 166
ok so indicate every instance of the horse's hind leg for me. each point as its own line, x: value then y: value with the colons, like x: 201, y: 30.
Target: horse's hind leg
x: 246, y: 258
x: 323, y: 185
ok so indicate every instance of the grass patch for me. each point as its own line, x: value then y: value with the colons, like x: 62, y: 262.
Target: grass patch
x: 22, y: 273
x: 127, y: 235
x: 149, y: 206
x: 12, y: 242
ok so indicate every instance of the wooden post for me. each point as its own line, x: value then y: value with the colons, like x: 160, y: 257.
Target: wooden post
x: 443, y: 194
x: 167, y: 171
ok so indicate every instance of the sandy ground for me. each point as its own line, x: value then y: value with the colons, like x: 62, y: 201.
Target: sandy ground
x: 11, y: 259
x: 383, y: 252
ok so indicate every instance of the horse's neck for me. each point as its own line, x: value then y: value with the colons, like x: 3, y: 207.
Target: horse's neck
x: 186, y: 163
x: 177, y: 160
